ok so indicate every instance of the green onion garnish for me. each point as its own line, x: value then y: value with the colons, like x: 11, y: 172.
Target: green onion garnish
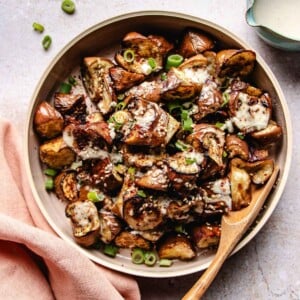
x: 174, y: 105
x: 152, y: 63
x: 225, y: 97
x: 94, y: 196
x: 38, y: 27
x: 117, y: 125
x: 164, y: 262
x: 68, y: 6
x: 150, y: 258
x: 163, y: 76
x: 65, y: 88
x: 190, y: 161
x: 49, y: 184
x: 129, y: 55
x: 173, y: 60
x: 187, y: 124
x: 72, y: 80
x: 181, y: 145
x: 224, y: 154
x: 50, y: 172
x: 46, y: 42
x: 121, y: 105
x: 219, y: 125
x: 137, y: 256
x: 141, y: 193
x: 121, y: 97
x: 110, y: 250
x: 240, y: 135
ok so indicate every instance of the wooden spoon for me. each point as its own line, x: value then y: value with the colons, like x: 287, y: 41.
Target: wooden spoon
x: 233, y: 226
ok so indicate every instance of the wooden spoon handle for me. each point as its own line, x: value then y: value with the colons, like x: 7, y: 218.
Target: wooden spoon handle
x: 202, y: 284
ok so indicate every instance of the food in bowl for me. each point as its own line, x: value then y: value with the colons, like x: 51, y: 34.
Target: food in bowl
x: 149, y: 149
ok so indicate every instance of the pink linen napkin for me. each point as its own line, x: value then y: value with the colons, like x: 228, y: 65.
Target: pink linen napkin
x: 34, y: 261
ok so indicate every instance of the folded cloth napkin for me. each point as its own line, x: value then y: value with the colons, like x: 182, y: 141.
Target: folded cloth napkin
x: 34, y: 261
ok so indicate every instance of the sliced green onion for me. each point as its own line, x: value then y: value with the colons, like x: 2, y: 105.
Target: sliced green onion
x: 152, y: 63
x: 38, y: 27
x: 137, y: 256
x: 131, y: 170
x: 68, y: 6
x: 121, y: 105
x: 50, y: 172
x: 121, y: 97
x: 224, y: 154
x: 173, y: 60
x: 110, y: 250
x: 225, y: 97
x: 219, y: 125
x: 174, y: 105
x: 187, y: 124
x: 65, y: 88
x: 150, y: 258
x: 164, y: 262
x: 72, y: 80
x: 163, y: 76
x: 240, y: 135
x: 190, y: 161
x: 129, y: 55
x: 46, y: 42
x: 49, y: 184
x: 94, y: 196
x: 117, y: 125
x: 180, y: 145
x: 141, y: 193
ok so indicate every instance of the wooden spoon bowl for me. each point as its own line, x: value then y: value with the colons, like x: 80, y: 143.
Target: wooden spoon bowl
x: 233, y: 226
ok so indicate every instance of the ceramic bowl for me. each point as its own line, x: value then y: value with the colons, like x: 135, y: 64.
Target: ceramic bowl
x: 103, y: 39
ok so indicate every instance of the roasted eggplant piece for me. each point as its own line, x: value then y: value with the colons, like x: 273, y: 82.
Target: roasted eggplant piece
x: 65, y: 185
x: 124, y: 80
x: 178, y: 210
x: 271, y: 134
x: 259, y: 171
x: 142, y: 213
x: 56, y: 154
x: 71, y: 106
x: 210, y: 100
x: 183, y: 170
x: 240, y: 183
x: 148, y: 90
x: 206, y: 235
x: 98, y: 83
x: 236, y: 147
x: 176, y: 247
x: 195, y: 42
x: 152, y: 125
x: 48, y: 122
x: 140, y: 49
x: 127, y: 239
x: 207, y: 137
x: 250, y: 113
x: 105, y: 176
x: 142, y: 159
x: 110, y: 226
x: 90, y: 140
x: 186, y: 81
x: 85, y: 222
x: 155, y: 178
x: 216, y: 196
x: 235, y: 62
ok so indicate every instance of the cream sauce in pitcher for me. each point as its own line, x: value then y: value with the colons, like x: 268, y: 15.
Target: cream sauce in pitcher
x: 282, y: 16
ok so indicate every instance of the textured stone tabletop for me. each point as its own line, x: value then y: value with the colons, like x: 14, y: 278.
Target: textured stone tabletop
x: 268, y: 267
